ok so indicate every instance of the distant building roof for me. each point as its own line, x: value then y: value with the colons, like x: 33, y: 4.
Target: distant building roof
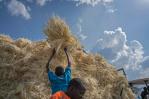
x: 140, y: 81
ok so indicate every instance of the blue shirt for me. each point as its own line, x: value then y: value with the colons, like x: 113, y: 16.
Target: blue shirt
x: 60, y: 83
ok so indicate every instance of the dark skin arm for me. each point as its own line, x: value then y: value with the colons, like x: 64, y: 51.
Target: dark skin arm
x: 51, y: 57
x: 68, y: 59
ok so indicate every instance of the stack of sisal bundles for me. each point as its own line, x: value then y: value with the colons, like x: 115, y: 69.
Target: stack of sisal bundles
x: 23, y: 71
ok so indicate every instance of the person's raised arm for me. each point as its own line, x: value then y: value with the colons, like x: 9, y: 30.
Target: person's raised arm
x: 68, y: 58
x: 51, y: 57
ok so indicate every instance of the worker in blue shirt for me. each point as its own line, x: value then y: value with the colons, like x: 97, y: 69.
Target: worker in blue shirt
x: 60, y: 79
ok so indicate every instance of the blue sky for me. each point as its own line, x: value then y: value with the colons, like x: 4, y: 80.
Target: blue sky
x: 118, y: 29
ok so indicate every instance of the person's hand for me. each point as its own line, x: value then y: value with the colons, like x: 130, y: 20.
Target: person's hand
x: 54, y: 51
x: 65, y: 49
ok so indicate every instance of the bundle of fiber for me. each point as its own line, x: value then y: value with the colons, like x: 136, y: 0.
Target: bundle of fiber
x: 22, y: 73
x: 22, y: 42
x: 59, y: 35
x: 108, y: 84
x: 23, y: 67
x: 5, y: 38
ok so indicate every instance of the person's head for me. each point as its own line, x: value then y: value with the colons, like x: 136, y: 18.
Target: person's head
x: 145, y: 89
x: 59, y: 70
x: 76, y: 89
x: 130, y: 84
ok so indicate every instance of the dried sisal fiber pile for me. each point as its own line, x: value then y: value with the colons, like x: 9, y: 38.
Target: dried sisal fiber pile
x: 23, y: 71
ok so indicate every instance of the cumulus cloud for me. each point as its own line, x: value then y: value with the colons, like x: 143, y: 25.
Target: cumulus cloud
x: 18, y: 8
x: 91, y: 2
x: 113, y: 45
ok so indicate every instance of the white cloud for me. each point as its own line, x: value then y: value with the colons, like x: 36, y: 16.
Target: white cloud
x: 144, y: 73
x: 82, y: 36
x: 42, y: 2
x: 131, y: 56
x: 113, y: 45
x: 108, y: 4
x: 79, y: 26
x: 28, y: 8
x: 110, y: 10
x: 18, y: 8
x: 39, y: 2
x: 79, y: 34
x: 91, y: 2
x: 145, y: 62
x: 107, y: 1
x: 113, y: 39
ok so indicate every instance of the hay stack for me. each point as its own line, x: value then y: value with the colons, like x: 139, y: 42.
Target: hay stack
x: 23, y: 73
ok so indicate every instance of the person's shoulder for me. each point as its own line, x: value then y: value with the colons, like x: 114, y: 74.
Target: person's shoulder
x: 50, y: 72
x: 59, y: 94
x: 51, y: 75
